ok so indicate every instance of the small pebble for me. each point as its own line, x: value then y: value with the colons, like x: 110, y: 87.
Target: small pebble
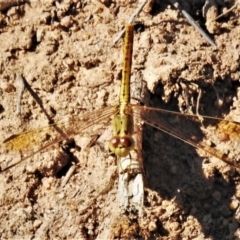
x: 39, y: 35
x: 37, y: 223
x: 9, y: 88
x: 61, y: 196
x: 152, y: 226
x: 66, y: 21
x: 223, y: 137
x: 234, y: 204
x: 237, y: 194
x: 174, y: 226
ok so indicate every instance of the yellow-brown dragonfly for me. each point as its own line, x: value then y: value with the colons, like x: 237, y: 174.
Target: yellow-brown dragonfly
x: 125, y: 143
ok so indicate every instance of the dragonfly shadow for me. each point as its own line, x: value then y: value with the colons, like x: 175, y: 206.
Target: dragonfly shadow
x: 174, y: 170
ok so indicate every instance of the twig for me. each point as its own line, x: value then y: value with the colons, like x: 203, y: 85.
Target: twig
x: 229, y: 10
x: 192, y: 22
x: 21, y: 90
x: 137, y: 11
x: 198, y: 104
x: 198, y: 101
x: 68, y: 175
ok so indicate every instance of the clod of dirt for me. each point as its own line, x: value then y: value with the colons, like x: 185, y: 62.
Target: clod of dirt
x: 210, y: 12
x: 9, y: 88
x: 66, y: 21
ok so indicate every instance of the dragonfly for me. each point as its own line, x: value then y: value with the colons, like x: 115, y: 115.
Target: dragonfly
x: 126, y: 142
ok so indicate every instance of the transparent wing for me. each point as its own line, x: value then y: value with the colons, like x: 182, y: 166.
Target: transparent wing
x: 19, y: 147
x: 189, y: 129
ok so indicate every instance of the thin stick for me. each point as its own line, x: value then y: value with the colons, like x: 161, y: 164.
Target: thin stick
x: 137, y: 11
x: 229, y: 10
x: 198, y: 105
x: 68, y: 175
x: 193, y: 23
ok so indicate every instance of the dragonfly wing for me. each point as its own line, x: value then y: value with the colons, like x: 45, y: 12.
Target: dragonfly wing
x: 188, y: 129
x: 19, y: 147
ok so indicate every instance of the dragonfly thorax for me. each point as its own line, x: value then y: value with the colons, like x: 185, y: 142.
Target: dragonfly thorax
x: 121, y: 145
x: 122, y: 142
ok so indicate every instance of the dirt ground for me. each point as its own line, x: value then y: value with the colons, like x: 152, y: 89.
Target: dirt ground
x: 64, y: 50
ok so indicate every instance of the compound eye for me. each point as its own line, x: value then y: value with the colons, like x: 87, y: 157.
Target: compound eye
x: 115, y: 141
x: 126, y: 141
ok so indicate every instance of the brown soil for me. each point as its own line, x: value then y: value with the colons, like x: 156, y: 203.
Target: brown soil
x: 64, y: 51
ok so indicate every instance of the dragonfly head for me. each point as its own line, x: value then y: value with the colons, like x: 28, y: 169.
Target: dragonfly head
x: 121, y: 145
